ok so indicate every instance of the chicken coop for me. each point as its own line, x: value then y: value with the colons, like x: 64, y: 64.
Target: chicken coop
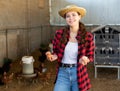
x: 107, y: 51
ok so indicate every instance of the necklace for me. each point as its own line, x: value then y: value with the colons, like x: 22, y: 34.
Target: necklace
x: 73, y: 37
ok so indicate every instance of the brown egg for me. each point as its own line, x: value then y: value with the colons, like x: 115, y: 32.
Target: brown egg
x: 48, y: 53
x: 49, y: 56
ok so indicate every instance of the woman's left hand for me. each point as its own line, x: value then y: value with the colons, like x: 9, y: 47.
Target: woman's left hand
x: 84, y: 60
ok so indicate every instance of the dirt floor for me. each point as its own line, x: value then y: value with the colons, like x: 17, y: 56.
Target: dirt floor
x: 106, y: 80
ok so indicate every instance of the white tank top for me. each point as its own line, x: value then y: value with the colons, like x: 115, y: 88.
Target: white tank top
x: 70, y: 53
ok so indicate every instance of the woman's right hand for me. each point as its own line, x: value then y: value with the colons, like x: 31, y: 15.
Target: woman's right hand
x: 51, y: 57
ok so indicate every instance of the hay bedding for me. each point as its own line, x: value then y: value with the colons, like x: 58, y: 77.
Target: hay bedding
x: 106, y: 81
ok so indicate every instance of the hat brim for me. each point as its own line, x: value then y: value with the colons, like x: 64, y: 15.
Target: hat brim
x: 80, y: 10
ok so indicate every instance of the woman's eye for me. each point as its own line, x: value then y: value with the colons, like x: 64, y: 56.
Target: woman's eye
x: 67, y: 16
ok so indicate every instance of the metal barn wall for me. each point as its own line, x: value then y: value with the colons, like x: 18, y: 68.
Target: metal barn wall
x: 98, y: 11
x: 23, y: 13
x: 17, y: 42
x: 21, y: 26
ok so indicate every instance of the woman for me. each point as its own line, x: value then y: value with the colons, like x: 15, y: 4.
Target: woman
x: 73, y: 48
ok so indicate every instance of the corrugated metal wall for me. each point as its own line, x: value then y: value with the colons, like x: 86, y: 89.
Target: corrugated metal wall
x: 23, y: 13
x: 98, y: 11
x: 17, y: 42
x: 20, y: 26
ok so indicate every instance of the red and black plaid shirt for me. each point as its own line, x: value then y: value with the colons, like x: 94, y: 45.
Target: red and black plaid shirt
x: 82, y: 75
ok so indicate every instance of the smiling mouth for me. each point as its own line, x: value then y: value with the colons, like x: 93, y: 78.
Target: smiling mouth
x: 71, y: 21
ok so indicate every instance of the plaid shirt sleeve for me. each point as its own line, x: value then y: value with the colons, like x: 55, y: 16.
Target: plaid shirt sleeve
x: 56, y: 42
x: 83, y: 79
x: 90, y: 47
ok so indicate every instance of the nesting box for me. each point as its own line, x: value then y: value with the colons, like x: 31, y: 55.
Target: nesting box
x: 107, y: 50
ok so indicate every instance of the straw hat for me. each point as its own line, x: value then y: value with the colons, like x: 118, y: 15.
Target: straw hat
x: 69, y: 8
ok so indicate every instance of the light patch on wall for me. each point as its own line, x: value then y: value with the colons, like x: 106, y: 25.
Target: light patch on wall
x: 41, y: 3
x: 73, y: 1
x: 96, y: 15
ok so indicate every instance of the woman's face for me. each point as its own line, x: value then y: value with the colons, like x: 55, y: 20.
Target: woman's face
x: 72, y: 18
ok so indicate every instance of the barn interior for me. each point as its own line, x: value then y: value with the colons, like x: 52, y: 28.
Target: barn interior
x: 27, y: 28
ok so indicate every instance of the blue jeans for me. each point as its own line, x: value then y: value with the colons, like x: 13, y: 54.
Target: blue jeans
x: 67, y: 79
